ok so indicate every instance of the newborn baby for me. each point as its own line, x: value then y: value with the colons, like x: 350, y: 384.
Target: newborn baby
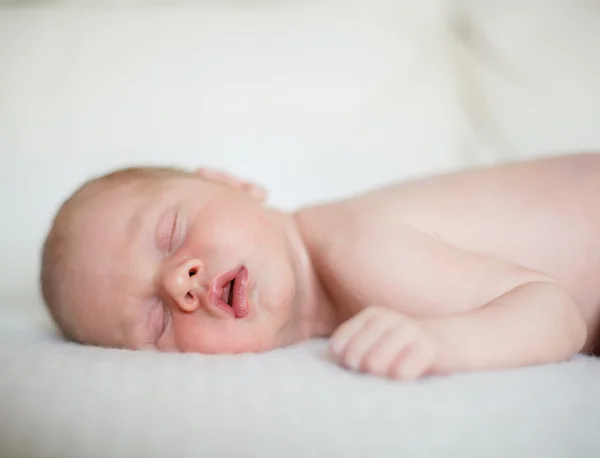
x: 481, y: 269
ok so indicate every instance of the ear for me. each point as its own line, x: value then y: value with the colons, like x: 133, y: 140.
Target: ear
x: 217, y: 176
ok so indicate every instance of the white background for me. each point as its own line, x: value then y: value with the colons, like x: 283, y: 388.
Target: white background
x: 313, y: 99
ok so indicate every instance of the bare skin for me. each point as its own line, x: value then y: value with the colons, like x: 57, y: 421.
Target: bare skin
x: 475, y: 270
x: 482, y: 269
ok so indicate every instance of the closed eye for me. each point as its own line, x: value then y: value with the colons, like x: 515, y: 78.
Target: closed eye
x: 166, y: 230
x: 172, y: 234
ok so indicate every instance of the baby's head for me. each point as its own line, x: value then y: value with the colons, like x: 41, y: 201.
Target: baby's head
x: 173, y: 260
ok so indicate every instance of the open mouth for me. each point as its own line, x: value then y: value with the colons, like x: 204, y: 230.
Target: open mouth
x: 228, y: 293
x: 231, y: 292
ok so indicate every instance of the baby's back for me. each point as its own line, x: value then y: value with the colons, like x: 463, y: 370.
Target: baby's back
x: 543, y: 215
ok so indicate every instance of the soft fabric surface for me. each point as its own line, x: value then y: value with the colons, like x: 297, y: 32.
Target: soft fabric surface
x: 60, y: 399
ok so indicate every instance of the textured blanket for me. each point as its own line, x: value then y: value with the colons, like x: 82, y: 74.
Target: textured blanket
x: 60, y: 399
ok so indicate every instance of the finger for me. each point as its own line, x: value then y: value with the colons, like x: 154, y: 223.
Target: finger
x: 413, y: 363
x: 343, y: 334
x: 362, y: 342
x: 380, y: 360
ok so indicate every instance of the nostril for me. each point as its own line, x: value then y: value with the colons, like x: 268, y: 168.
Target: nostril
x: 193, y: 271
x: 189, y: 296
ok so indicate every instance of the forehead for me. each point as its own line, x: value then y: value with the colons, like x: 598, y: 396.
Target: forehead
x: 113, y: 212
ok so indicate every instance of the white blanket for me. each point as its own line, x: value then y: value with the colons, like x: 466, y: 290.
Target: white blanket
x: 60, y: 399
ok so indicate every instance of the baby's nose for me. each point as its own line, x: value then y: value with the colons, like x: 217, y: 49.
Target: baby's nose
x: 182, y: 283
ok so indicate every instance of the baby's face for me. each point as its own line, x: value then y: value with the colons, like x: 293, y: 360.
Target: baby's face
x: 183, y: 265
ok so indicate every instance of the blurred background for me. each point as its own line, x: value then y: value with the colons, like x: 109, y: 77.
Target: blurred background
x: 314, y: 99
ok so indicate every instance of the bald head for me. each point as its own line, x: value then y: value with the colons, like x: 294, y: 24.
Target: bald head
x: 61, y: 262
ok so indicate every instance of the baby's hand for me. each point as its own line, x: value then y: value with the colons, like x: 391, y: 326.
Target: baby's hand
x: 384, y: 342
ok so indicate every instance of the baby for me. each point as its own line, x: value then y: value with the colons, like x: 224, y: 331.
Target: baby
x: 481, y: 269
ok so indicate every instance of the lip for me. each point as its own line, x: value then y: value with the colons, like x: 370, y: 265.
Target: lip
x: 239, y: 304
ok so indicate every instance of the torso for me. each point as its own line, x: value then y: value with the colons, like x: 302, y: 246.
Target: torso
x: 543, y: 215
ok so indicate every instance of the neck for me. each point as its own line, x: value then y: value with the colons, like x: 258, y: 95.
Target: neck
x: 314, y: 313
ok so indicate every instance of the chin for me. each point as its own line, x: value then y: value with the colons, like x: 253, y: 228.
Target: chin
x: 236, y: 350
x: 217, y: 347
x: 257, y: 347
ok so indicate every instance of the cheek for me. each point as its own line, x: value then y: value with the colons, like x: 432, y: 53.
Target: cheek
x: 232, y: 224
x: 195, y: 334
x: 276, y: 294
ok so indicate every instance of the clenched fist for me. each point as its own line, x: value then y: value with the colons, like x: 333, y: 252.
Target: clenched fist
x: 384, y: 342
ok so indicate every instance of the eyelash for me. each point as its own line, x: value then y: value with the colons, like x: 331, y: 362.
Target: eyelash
x: 172, y: 234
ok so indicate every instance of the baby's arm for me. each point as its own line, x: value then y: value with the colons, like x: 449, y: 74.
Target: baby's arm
x: 536, y: 322
x: 527, y: 318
